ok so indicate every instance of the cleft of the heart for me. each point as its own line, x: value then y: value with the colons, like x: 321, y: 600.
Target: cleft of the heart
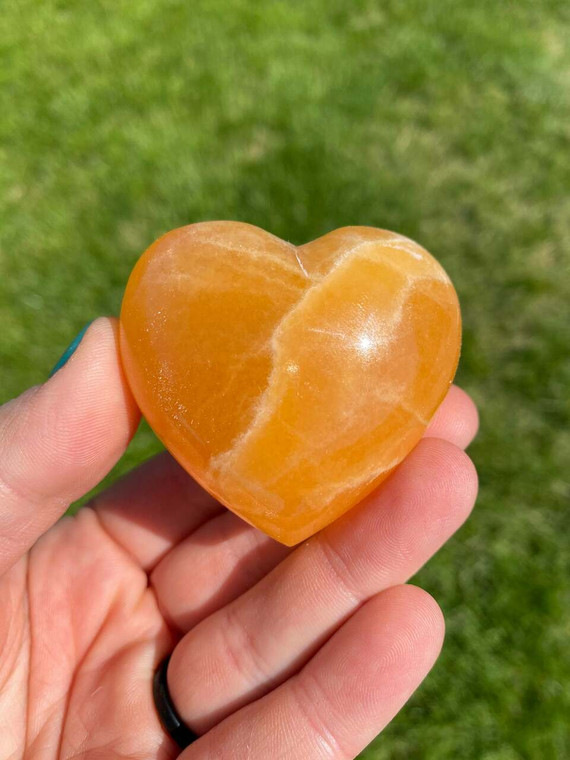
x: 288, y: 381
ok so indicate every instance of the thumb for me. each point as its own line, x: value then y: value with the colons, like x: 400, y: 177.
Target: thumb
x: 59, y: 439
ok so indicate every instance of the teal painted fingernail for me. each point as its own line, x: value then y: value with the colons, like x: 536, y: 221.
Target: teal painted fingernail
x: 70, y: 350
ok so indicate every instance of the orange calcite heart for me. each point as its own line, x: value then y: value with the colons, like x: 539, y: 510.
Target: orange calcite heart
x: 289, y: 381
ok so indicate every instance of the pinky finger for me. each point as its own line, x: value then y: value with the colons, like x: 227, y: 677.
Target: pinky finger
x: 346, y: 694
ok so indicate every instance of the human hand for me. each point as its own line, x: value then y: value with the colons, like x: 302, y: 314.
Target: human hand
x: 278, y: 653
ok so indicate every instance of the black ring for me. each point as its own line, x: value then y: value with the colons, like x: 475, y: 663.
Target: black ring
x: 169, y: 717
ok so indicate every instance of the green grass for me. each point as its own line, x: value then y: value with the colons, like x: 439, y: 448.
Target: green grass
x: 448, y: 121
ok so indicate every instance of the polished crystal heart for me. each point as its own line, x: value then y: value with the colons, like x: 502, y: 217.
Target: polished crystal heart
x: 289, y: 381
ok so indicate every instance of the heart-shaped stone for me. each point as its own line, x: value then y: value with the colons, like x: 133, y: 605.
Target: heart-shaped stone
x: 289, y: 381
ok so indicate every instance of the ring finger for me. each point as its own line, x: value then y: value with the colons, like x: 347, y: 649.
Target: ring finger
x: 248, y: 647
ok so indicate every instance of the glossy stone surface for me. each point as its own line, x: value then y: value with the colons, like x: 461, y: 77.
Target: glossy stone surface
x: 289, y: 381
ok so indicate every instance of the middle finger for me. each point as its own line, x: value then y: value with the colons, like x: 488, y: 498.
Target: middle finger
x: 225, y: 556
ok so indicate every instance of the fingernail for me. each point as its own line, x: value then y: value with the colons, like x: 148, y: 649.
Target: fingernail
x: 70, y: 350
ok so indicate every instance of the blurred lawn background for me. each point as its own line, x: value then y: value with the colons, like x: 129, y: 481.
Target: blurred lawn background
x: 448, y: 121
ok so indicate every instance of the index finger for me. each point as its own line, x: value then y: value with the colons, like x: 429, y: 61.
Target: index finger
x: 163, y: 518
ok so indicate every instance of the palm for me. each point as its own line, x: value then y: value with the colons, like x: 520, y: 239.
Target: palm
x: 92, y: 628
x: 112, y: 590
x: 277, y: 653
